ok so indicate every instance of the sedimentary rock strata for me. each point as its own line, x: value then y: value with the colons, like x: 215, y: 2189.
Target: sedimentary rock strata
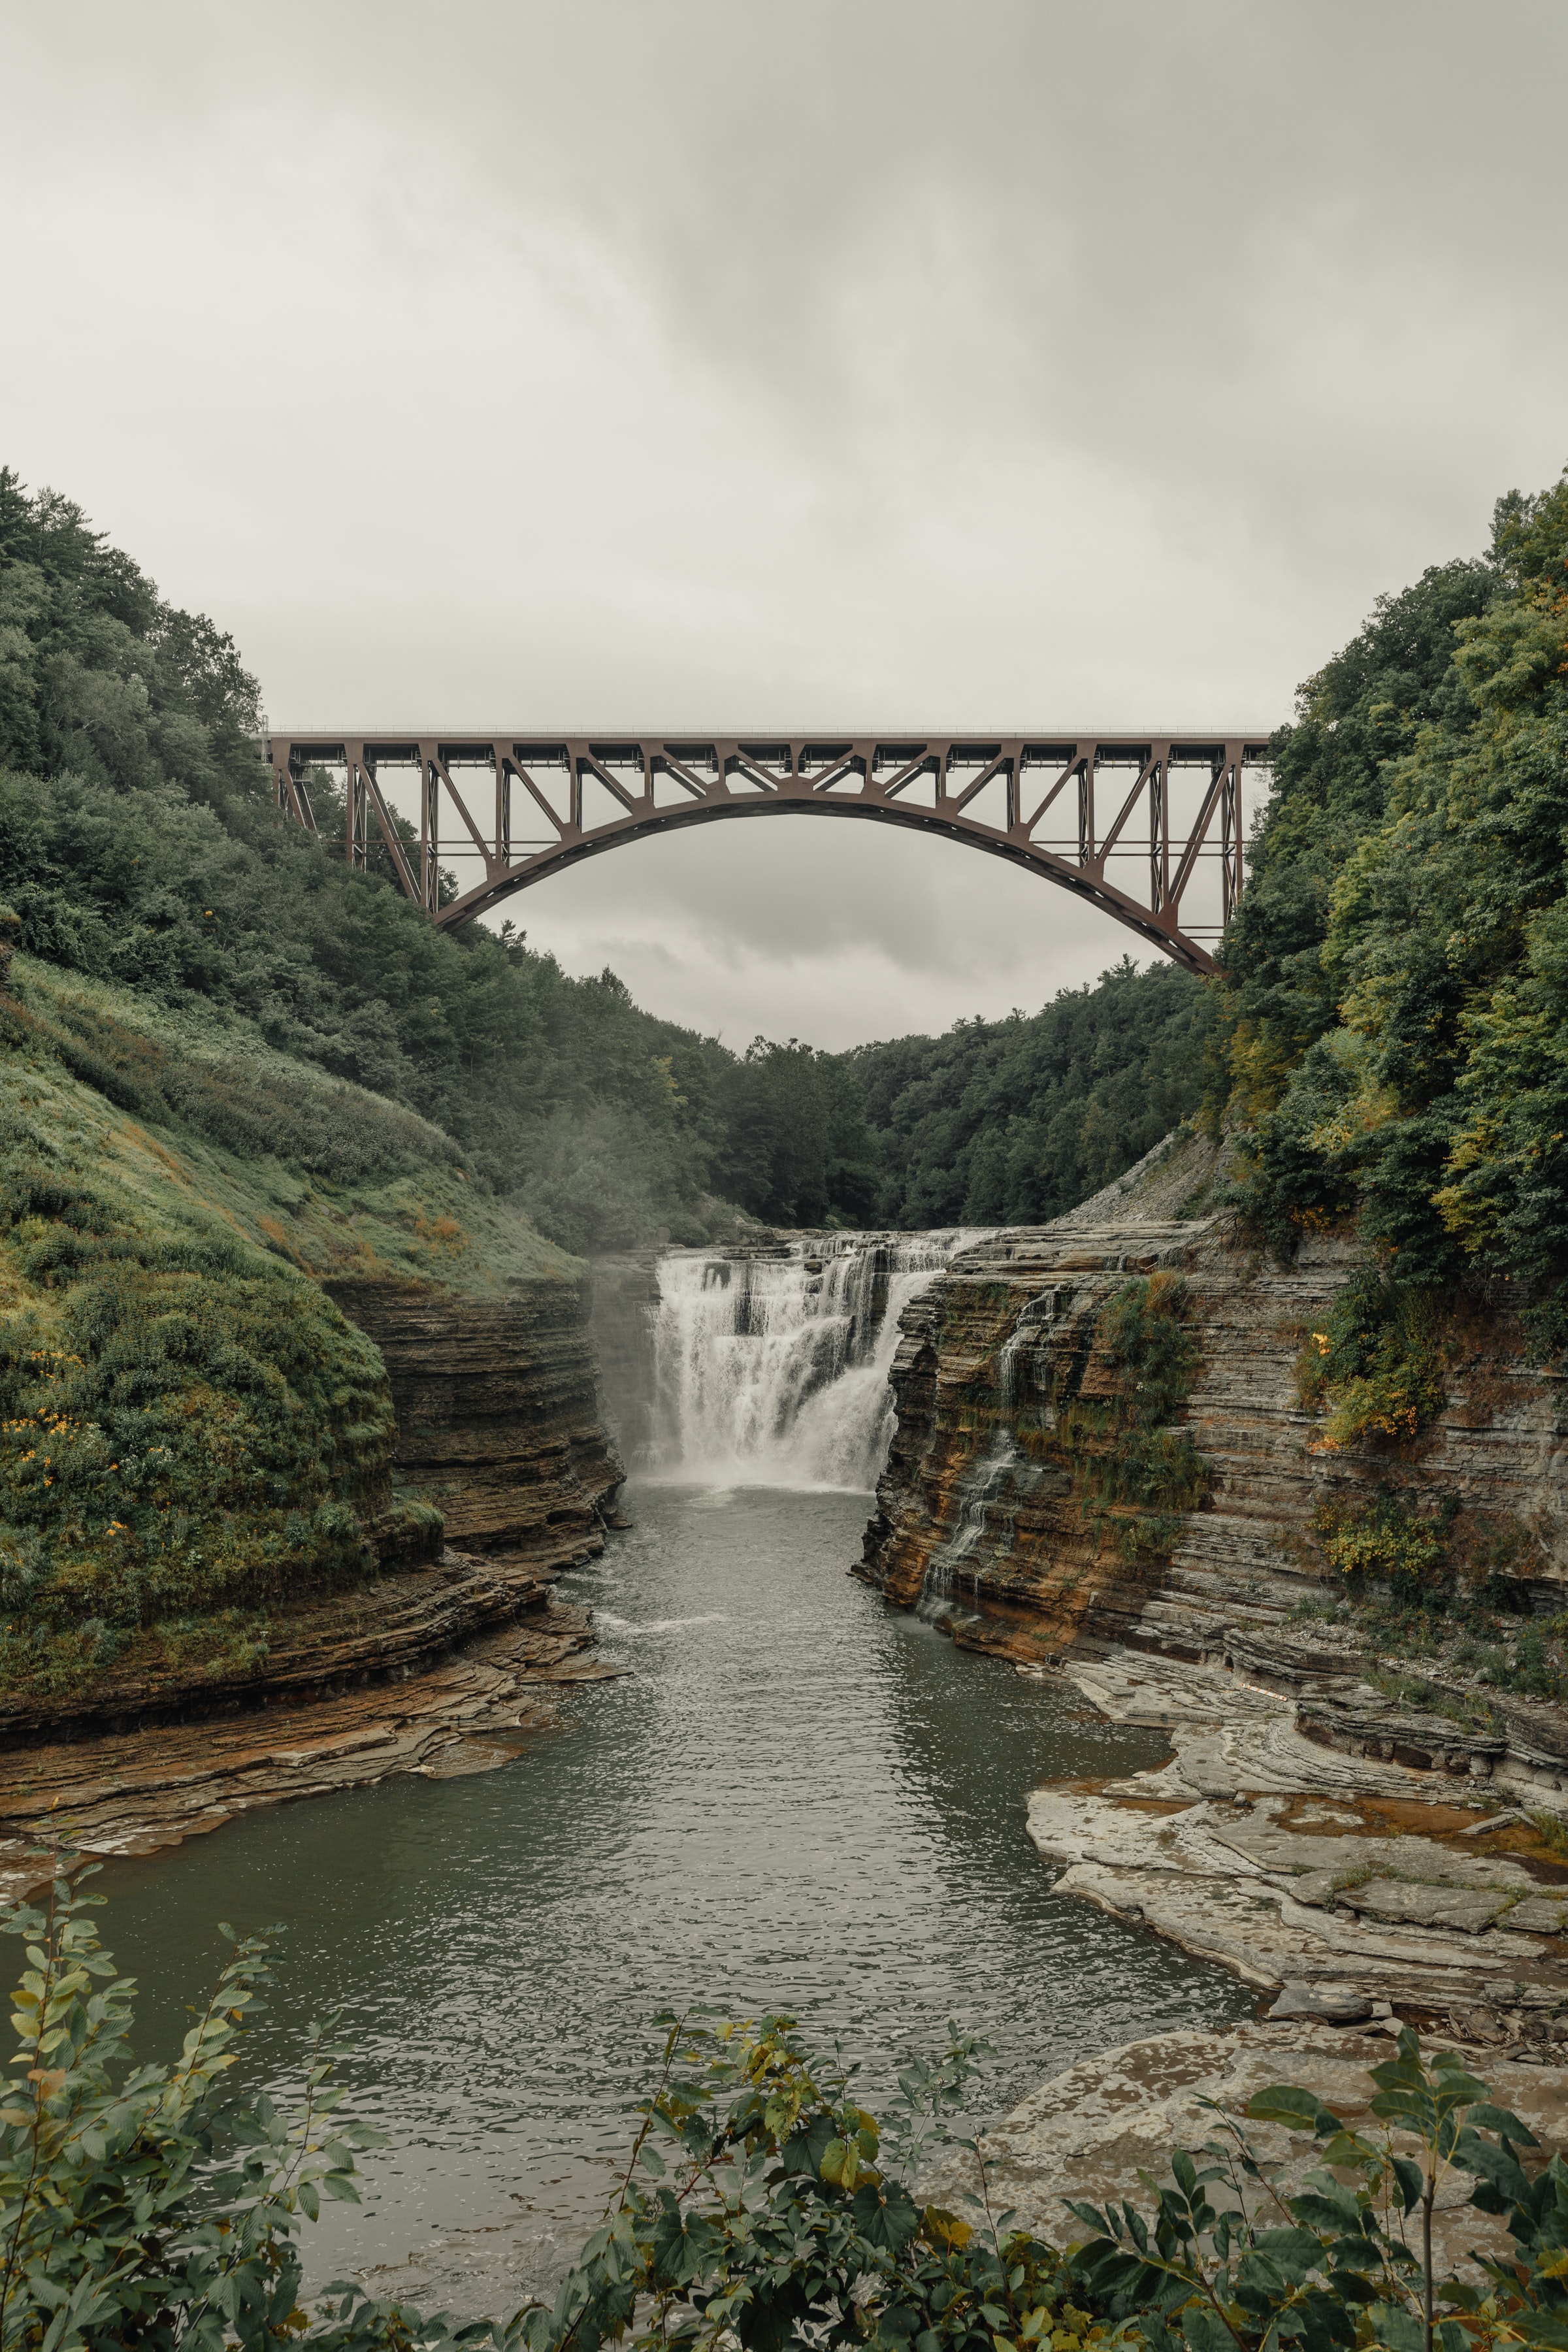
x: 498, y: 1418
x: 1209, y: 1621
x: 154, y: 1787
x: 974, y: 1511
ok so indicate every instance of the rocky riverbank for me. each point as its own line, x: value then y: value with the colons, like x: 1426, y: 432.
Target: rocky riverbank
x: 1099, y: 2131
x: 449, y: 1669
x: 436, y: 1666
x: 1326, y: 1821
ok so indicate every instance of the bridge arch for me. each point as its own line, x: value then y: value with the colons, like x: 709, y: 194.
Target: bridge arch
x: 1066, y: 807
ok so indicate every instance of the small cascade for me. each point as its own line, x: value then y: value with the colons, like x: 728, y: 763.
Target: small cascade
x: 771, y: 1361
x: 1035, y: 1319
x: 979, y: 1494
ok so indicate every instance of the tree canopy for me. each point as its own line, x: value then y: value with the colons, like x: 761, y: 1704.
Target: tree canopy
x: 1396, y: 978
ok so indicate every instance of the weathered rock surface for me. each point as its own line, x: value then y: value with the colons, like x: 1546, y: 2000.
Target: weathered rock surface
x: 497, y: 1417
x: 465, y: 1712
x: 624, y: 1305
x: 995, y: 1342
x: 1288, y: 1862
x: 1090, y: 2132
x: 381, y: 1632
x: 498, y: 1427
x: 1214, y: 1630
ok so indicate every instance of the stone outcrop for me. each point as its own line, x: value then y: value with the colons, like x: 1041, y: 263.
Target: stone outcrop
x: 398, y: 1626
x: 967, y: 1514
x: 999, y: 1338
x: 499, y: 1439
x: 1217, y: 1621
x: 497, y: 1418
x: 503, y: 1648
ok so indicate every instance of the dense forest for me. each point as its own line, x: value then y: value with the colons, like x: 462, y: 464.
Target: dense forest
x: 1011, y: 1122
x: 138, y: 844
x: 1394, y: 1006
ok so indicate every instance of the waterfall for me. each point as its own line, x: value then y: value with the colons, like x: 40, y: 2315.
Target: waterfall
x: 1035, y: 1319
x: 979, y: 1493
x: 771, y: 1360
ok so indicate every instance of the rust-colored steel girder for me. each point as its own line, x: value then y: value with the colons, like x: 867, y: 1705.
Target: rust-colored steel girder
x: 524, y: 805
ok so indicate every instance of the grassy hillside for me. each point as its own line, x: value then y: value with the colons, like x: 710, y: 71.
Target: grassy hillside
x: 190, y: 1432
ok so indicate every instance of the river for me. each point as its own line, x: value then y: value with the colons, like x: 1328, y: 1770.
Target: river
x: 794, y: 1797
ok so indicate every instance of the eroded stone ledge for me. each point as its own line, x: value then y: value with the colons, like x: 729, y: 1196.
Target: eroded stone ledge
x: 1094, y: 2131
x: 157, y: 1786
x: 1290, y: 1862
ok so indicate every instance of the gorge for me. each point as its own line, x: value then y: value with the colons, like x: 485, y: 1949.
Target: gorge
x: 859, y: 1533
x: 838, y: 1788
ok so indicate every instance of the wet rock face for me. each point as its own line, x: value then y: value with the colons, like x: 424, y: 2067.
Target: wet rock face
x: 624, y: 1305
x: 974, y: 1510
x: 497, y: 1418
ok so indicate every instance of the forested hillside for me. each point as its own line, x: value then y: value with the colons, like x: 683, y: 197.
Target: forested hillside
x: 138, y: 844
x: 1011, y: 1122
x: 1394, y: 1005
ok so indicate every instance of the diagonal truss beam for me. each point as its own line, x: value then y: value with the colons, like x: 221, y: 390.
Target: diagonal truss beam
x: 1137, y: 870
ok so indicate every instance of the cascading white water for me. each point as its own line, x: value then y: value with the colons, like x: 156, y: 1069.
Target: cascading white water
x: 981, y: 1489
x: 771, y: 1366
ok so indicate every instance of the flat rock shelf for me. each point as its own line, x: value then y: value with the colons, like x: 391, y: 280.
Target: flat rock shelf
x: 1294, y: 1863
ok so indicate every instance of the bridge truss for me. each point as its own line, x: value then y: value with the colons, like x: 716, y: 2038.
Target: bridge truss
x: 1128, y: 823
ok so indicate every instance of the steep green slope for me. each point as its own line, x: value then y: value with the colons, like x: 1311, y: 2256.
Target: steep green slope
x: 190, y: 1432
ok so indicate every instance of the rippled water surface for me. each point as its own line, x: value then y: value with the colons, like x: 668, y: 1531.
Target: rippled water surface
x: 796, y: 1798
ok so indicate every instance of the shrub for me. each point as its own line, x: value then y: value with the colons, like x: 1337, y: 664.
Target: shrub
x: 1379, y: 1368
x: 1383, y: 1540
x: 760, y: 2208
x: 138, y: 2205
x: 187, y: 1425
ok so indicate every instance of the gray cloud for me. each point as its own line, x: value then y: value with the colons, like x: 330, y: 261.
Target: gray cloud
x: 866, y: 362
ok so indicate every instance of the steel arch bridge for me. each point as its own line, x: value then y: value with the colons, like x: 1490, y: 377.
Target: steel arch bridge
x: 1067, y: 807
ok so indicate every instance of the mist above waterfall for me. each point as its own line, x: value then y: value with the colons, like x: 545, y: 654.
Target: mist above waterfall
x: 771, y: 1361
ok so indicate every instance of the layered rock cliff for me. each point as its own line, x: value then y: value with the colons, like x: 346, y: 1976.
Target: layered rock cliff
x: 261, y: 1409
x: 1112, y: 1460
x: 1002, y: 1501
x: 497, y: 1418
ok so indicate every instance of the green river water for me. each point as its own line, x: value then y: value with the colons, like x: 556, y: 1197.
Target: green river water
x: 794, y: 1798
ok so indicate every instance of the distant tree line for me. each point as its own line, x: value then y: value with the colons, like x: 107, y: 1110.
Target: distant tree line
x: 1015, y: 1121
x: 139, y: 843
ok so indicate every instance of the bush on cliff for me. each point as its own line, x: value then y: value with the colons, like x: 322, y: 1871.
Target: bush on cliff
x: 1395, y: 984
x: 759, y: 2207
x: 1111, y: 1407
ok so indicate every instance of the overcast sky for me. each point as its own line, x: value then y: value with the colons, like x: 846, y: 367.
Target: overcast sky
x: 787, y: 364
